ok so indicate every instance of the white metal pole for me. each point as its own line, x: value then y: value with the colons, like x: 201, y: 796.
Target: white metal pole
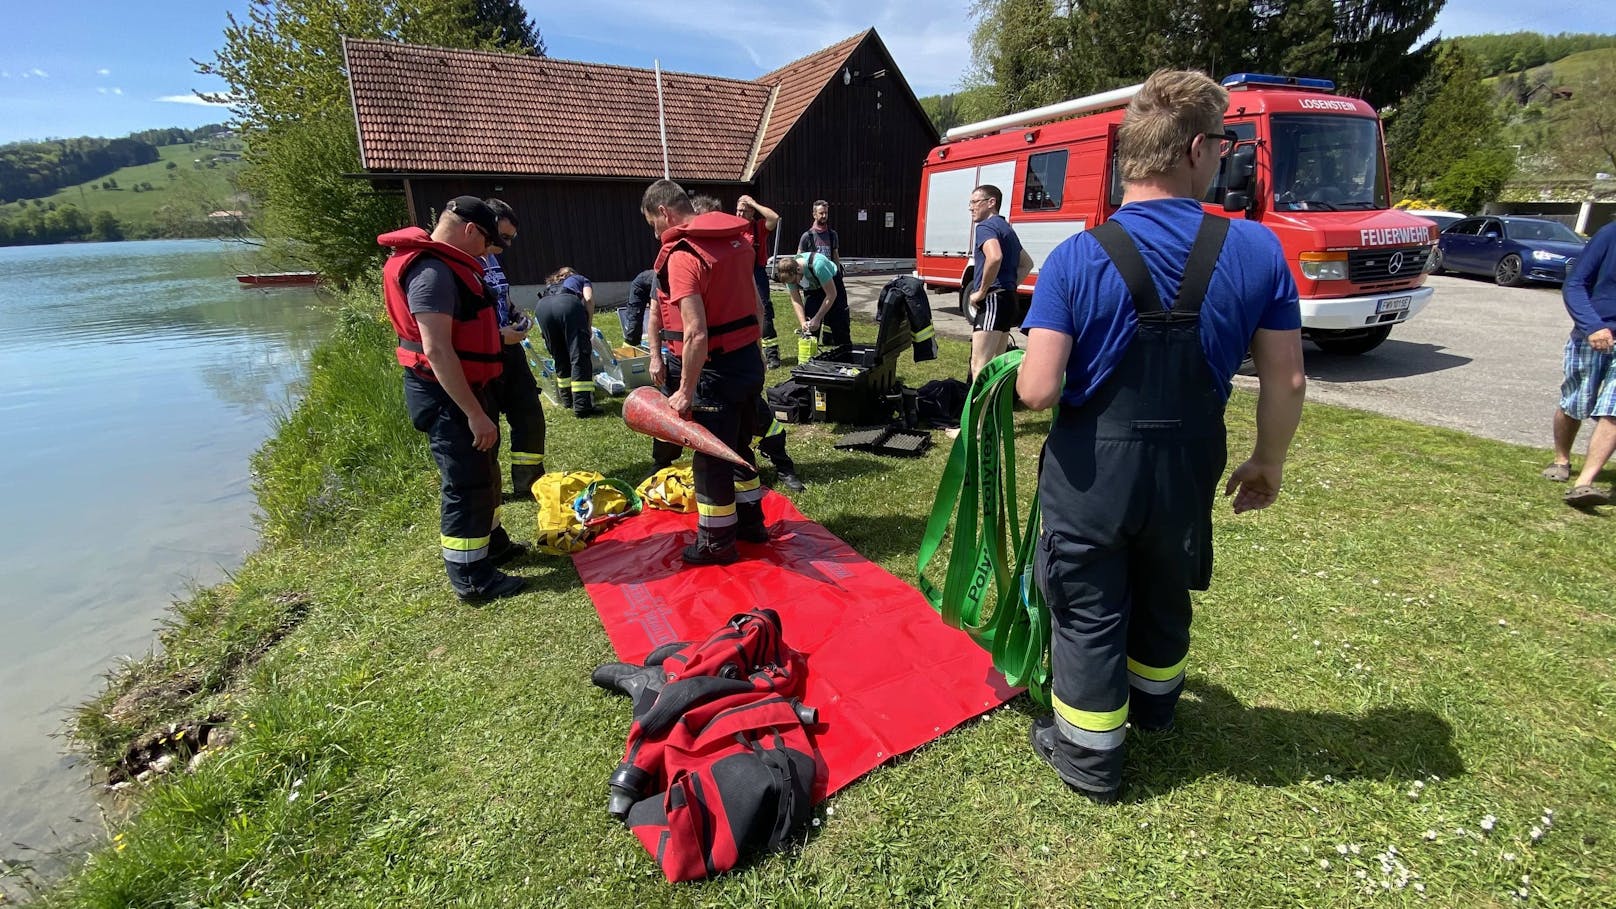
x: 662, y: 119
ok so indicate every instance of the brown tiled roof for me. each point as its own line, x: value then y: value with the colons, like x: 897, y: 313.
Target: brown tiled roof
x: 429, y: 109
x: 799, y: 83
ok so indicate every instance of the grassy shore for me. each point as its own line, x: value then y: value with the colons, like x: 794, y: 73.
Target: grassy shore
x: 1399, y: 694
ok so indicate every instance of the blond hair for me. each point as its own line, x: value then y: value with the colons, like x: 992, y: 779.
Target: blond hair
x: 1170, y: 110
x: 560, y: 274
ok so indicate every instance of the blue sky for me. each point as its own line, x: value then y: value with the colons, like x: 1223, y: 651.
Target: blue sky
x: 99, y: 67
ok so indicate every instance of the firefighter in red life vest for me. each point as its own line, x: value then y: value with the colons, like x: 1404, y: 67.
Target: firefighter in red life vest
x: 705, y: 330
x: 449, y: 346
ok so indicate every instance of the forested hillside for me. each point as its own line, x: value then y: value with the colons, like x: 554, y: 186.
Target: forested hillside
x: 32, y: 170
x: 174, y: 195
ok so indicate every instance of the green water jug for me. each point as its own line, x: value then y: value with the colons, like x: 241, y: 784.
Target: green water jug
x: 807, y: 346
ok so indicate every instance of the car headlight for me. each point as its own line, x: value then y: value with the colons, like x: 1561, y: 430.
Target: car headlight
x: 1543, y: 255
x: 1327, y: 270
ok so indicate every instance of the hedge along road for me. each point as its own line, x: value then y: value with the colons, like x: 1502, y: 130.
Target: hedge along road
x: 1480, y: 358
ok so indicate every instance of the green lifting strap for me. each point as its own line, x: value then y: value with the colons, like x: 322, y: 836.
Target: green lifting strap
x: 978, y: 497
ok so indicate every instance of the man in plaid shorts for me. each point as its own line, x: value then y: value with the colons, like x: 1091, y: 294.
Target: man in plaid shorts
x: 1589, y: 387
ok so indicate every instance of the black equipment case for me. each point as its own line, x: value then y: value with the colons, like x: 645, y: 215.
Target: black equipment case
x: 858, y: 383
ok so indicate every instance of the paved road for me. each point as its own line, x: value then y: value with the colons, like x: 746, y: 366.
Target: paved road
x: 1480, y: 358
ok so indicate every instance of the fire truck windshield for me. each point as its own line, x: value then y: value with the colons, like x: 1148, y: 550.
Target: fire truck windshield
x: 1325, y: 163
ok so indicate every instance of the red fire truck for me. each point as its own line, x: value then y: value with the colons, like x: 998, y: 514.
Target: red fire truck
x: 1310, y: 165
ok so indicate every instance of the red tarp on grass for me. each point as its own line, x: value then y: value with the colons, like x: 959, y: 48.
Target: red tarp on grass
x: 884, y: 671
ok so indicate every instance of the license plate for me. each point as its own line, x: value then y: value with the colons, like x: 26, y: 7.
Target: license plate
x: 1393, y: 304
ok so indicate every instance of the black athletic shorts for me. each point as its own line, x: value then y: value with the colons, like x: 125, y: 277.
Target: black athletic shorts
x: 998, y: 311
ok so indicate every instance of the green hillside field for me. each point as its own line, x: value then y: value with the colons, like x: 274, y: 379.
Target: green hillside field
x: 190, y: 184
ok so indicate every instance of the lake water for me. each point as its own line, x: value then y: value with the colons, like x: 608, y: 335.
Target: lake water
x: 136, y: 379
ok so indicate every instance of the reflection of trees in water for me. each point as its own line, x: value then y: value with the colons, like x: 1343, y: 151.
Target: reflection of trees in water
x: 258, y: 378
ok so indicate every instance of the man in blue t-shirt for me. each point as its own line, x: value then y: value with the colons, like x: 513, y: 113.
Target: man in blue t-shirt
x: 1136, y: 328
x: 1000, y: 266
x: 1588, y: 390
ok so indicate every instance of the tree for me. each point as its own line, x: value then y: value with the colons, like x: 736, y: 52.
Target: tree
x: 104, y: 226
x: 1475, y: 179
x: 510, y: 22
x: 1035, y: 52
x: 283, y: 67
x: 1445, y: 136
x: 1371, y: 51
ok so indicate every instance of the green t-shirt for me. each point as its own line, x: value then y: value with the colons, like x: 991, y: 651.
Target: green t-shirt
x: 817, y: 270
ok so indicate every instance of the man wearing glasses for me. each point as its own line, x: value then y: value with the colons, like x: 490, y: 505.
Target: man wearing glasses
x: 1136, y: 328
x: 993, y: 293
x: 449, y: 346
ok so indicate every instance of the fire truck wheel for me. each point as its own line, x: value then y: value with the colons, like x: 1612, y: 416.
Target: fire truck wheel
x: 1353, y: 343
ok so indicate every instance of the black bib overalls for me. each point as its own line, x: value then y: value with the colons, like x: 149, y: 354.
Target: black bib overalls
x: 1126, y: 484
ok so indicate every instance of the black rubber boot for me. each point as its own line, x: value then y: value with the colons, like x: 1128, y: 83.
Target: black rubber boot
x: 564, y: 393
x: 502, y: 549
x: 583, y: 405
x: 480, y: 581
x: 523, y: 477
x: 749, y: 527
x: 1046, y: 745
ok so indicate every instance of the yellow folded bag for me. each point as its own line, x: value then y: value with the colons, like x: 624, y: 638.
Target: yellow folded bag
x: 575, y: 505
x: 670, y: 489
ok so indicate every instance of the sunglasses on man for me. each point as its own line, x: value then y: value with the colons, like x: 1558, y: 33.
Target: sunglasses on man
x: 1226, y: 141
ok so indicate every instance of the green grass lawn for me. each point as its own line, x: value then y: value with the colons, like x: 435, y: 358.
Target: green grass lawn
x: 134, y: 209
x: 1399, y: 693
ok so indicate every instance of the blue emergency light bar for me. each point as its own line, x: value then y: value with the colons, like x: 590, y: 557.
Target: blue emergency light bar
x: 1243, y: 79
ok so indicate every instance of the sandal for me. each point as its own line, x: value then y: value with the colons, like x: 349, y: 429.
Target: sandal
x: 1557, y: 472
x: 1586, y: 496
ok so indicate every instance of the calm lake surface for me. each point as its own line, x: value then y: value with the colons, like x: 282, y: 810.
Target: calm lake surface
x: 136, y: 379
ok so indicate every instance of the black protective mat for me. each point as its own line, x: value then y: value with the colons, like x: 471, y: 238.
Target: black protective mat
x: 887, y: 440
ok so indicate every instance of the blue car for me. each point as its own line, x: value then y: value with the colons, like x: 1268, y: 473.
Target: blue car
x: 1511, y: 250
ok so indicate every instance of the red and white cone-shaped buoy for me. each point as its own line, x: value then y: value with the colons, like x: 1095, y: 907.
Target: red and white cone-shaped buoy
x: 646, y: 410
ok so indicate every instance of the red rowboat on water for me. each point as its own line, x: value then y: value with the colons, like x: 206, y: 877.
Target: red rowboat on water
x: 281, y: 278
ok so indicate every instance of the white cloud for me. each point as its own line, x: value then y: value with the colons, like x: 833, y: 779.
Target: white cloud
x: 5, y: 74
x: 191, y: 99
x: 117, y: 91
x: 37, y: 73
x: 103, y: 72
x: 102, y: 90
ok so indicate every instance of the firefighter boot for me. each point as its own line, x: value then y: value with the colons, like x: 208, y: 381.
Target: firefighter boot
x: 749, y: 526
x: 564, y: 394
x: 480, y: 581
x: 583, y: 405
x: 771, y: 356
x: 523, y: 476
x: 502, y: 549
x: 712, y: 547
x: 1046, y: 744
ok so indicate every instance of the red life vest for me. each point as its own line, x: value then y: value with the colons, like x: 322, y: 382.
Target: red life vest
x: 476, y: 323
x: 722, y: 243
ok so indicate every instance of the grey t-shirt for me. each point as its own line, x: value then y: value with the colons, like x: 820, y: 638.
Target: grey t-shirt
x: 430, y: 286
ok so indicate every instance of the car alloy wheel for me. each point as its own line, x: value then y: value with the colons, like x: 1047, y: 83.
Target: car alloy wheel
x: 1508, y: 271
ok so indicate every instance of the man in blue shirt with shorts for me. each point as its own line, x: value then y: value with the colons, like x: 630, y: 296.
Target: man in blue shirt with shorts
x: 1136, y: 328
x: 1000, y: 266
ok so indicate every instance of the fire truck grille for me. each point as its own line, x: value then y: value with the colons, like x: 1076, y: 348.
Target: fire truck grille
x: 1370, y: 266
